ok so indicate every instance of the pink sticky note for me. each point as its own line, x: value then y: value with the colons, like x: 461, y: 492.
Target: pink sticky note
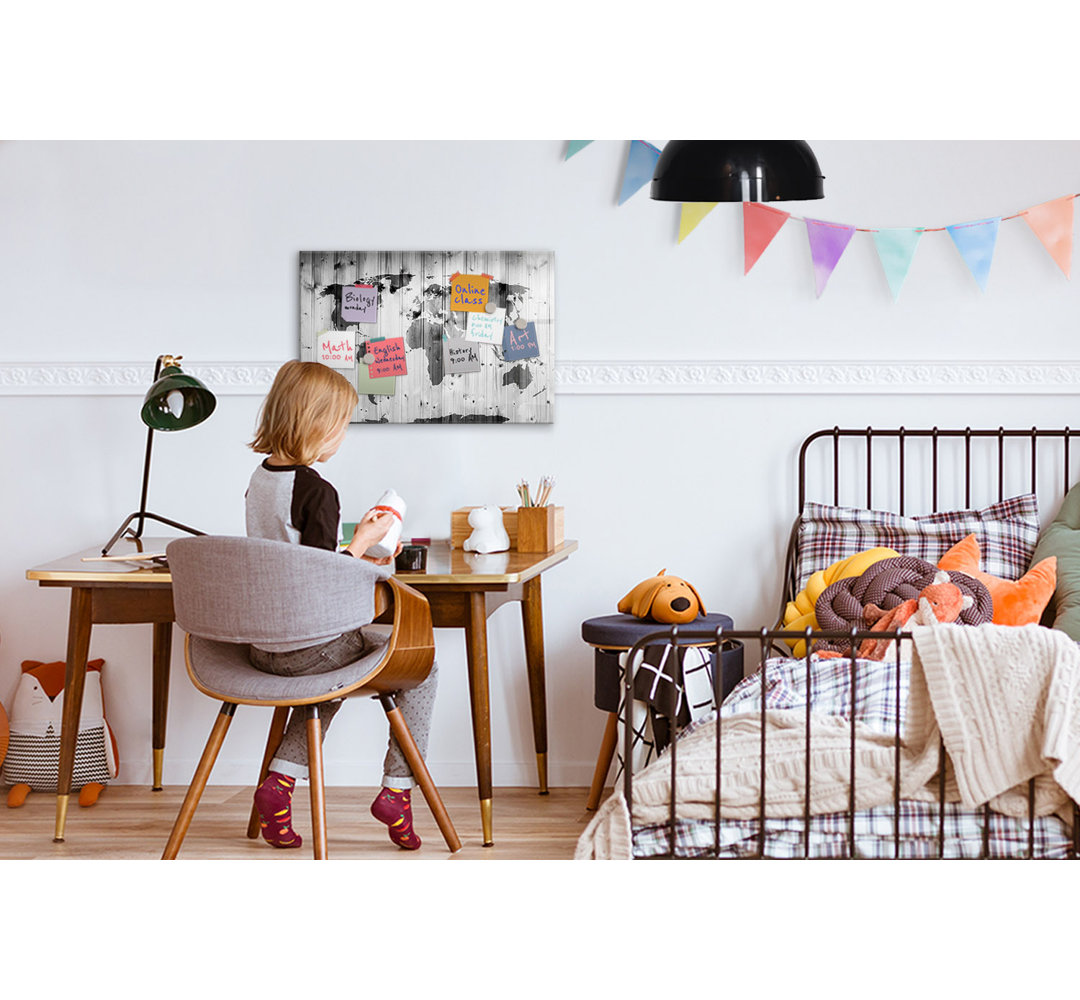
x: 388, y: 357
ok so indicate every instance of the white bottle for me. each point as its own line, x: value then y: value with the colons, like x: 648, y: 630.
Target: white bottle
x: 392, y: 504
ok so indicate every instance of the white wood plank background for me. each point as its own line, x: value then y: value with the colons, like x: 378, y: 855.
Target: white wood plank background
x: 413, y: 300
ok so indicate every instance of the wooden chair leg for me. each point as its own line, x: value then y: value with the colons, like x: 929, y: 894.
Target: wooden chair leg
x: 603, y: 760
x: 273, y: 741
x: 198, y: 781
x: 315, y: 778
x: 420, y: 772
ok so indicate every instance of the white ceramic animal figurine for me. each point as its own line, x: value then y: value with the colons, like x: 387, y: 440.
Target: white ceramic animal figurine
x: 488, y: 531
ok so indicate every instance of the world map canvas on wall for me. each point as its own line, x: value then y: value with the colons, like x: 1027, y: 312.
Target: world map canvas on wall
x: 434, y: 336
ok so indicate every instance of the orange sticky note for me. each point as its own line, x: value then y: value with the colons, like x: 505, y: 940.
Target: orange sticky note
x: 469, y: 292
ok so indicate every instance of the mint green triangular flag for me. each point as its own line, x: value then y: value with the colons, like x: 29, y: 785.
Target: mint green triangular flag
x: 896, y: 247
x: 575, y: 146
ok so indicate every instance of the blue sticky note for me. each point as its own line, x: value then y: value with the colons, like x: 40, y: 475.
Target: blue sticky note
x: 520, y: 344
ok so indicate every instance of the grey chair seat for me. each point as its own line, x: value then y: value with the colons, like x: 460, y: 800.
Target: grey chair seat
x: 224, y: 668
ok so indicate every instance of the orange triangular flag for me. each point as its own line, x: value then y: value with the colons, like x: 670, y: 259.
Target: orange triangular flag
x: 760, y: 224
x: 1052, y: 222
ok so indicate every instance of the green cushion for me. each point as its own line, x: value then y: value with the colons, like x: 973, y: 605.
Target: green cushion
x: 1061, y: 538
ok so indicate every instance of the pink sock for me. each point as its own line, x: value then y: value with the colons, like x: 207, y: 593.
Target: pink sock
x: 273, y: 800
x: 392, y: 806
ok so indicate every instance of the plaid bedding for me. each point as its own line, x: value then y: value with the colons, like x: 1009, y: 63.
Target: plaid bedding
x: 877, y: 704
x: 1007, y: 531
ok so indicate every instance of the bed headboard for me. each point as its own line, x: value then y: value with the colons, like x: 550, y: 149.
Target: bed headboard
x: 926, y: 470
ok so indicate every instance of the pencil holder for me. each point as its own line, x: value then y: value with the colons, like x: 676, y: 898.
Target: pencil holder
x: 539, y: 529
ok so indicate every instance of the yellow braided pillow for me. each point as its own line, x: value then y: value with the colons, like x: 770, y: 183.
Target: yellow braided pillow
x: 799, y: 613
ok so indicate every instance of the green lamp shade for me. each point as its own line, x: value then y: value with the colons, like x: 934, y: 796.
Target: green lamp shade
x: 176, y: 401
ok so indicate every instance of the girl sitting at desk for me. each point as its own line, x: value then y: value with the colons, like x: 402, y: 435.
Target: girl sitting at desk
x: 303, y: 421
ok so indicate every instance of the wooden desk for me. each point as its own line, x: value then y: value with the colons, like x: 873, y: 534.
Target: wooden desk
x: 463, y: 589
x: 109, y: 593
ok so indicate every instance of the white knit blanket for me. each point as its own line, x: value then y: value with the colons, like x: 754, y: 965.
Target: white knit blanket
x: 1005, y: 700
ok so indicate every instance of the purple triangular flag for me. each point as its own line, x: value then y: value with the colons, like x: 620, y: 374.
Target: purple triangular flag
x: 828, y: 241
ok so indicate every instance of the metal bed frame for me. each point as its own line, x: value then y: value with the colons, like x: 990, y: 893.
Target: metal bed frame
x: 767, y: 638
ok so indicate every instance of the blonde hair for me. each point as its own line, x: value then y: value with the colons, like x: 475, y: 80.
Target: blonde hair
x: 305, y: 405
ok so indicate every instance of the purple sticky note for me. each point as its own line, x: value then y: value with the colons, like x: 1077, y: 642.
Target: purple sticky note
x: 359, y: 304
x: 519, y: 344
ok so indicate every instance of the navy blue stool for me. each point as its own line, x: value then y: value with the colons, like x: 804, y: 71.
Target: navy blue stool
x: 615, y: 634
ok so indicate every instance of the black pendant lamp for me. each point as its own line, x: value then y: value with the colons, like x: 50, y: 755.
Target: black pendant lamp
x: 736, y: 170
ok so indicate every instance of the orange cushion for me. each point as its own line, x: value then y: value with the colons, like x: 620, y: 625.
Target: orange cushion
x: 1016, y: 602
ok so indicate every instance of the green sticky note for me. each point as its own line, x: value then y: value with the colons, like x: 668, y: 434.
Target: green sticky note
x: 368, y: 386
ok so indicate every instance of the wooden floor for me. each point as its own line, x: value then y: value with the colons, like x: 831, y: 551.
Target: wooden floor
x: 131, y: 822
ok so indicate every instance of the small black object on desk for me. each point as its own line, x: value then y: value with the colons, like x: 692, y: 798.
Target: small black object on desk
x: 411, y: 559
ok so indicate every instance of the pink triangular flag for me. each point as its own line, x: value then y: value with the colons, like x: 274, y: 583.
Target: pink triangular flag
x: 828, y: 241
x: 760, y: 224
x: 1052, y: 222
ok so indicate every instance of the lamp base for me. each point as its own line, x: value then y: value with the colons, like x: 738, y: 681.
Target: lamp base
x: 141, y: 516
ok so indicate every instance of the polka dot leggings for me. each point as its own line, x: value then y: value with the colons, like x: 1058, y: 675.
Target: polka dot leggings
x: 417, y: 705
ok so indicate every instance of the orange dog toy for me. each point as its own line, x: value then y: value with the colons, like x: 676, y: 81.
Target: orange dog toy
x: 666, y: 599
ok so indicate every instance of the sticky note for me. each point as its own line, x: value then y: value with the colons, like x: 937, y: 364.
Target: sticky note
x: 460, y: 355
x: 388, y: 357
x: 359, y: 304
x: 469, y: 292
x: 486, y: 327
x: 336, y: 349
x: 519, y: 344
x: 372, y: 387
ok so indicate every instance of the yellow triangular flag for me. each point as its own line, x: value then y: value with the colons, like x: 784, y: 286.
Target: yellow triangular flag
x: 692, y: 213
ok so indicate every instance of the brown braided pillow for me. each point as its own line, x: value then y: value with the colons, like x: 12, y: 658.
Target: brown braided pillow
x: 888, y: 583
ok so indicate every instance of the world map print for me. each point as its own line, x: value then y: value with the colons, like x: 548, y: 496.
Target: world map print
x: 447, y: 372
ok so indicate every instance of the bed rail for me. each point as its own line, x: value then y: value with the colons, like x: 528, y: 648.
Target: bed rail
x: 766, y: 639
x: 985, y: 463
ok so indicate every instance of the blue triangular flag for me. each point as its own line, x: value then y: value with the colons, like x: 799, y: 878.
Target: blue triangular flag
x: 640, y: 164
x: 975, y: 241
x: 575, y: 146
x: 896, y: 247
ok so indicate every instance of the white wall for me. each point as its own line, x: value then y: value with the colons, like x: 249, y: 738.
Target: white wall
x: 116, y: 252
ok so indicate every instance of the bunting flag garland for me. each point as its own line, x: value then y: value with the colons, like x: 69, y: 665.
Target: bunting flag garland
x: 896, y: 248
x: 1052, y: 222
x: 692, y: 213
x: 640, y: 163
x: 828, y: 241
x: 760, y: 224
x: 976, y: 241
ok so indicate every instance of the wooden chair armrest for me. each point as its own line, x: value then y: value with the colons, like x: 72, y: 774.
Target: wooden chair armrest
x: 411, y: 650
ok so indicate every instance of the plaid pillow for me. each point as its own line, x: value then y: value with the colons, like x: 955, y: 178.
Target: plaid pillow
x: 1007, y: 533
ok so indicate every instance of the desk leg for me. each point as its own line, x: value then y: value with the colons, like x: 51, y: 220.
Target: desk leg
x: 532, y: 620
x: 476, y: 654
x: 78, y: 649
x: 162, y: 657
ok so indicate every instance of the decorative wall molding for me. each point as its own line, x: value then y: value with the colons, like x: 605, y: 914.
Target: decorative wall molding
x: 585, y: 378
x: 127, y: 379
x: 819, y: 377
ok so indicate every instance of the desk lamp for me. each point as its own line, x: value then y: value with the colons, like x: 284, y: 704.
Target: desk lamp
x: 710, y: 170
x: 174, y: 402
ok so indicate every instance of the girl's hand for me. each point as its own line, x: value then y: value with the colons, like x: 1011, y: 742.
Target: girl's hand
x: 386, y: 560
x: 371, y: 528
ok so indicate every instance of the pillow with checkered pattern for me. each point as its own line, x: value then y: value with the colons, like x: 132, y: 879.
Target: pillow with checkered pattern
x: 1007, y: 532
